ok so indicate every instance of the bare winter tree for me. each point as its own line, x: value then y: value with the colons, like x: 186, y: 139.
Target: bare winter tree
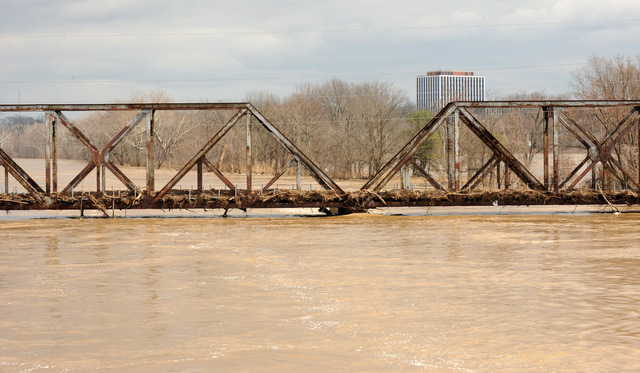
x: 383, y: 110
x: 430, y: 154
x: 348, y: 129
x: 304, y: 110
x: 523, y: 130
x: 609, y: 78
x: 5, y: 132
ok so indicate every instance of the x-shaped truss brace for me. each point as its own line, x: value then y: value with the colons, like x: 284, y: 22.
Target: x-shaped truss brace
x: 600, y: 151
x: 21, y: 176
x: 500, y: 153
x: 100, y: 157
x: 200, y: 156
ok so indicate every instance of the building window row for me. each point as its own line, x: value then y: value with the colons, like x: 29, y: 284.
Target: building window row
x: 437, y: 89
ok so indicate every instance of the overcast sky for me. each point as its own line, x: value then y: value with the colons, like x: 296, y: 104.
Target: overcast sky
x: 91, y: 51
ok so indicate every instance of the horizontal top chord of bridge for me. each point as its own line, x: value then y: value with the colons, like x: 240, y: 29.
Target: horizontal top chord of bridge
x: 241, y: 105
x: 127, y: 106
x: 549, y: 103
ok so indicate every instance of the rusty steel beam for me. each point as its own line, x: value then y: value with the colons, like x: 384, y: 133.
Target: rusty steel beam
x: 624, y: 171
x: 451, y: 154
x: 279, y: 174
x: 199, y: 176
x: 20, y: 175
x: 496, y: 146
x: 149, y: 162
x: 103, y: 172
x: 575, y: 133
x: 98, y: 183
x: 582, y: 175
x: 606, y: 150
x: 249, y: 159
x: 105, y: 153
x: 429, y: 178
x: 84, y: 140
x: 456, y: 148
x: 547, y: 118
x: 588, y: 141
x: 47, y: 153
x: 96, y: 158
x: 315, y: 171
x: 556, y: 149
x: 603, y: 159
x: 574, y: 172
x: 590, y: 137
x: 201, y: 153
x: 403, y: 156
x: 245, y: 105
x: 603, y: 148
x: 79, y: 177
x: 482, y: 173
x: 219, y: 174
x: 612, y: 171
x: 507, y: 182
x: 123, y: 132
x: 100, y: 158
x: 126, y: 106
x: 54, y: 155
x: 623, y: 131
x: 121, y: 176
x: 298, y: 174
x: 601, y: 151
x: 549, y: 103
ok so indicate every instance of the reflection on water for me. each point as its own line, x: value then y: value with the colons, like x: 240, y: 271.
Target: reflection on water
x: 473, y: 293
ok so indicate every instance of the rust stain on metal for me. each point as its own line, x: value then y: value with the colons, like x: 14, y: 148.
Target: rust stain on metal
x: 22, y: 177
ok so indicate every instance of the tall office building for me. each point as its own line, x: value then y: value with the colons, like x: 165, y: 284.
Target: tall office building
x: 438, y: 88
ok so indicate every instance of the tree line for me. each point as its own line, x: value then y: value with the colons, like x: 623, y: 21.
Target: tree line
x: 348, y: 129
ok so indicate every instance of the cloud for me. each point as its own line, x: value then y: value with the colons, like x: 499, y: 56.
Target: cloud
x: 219, y: 51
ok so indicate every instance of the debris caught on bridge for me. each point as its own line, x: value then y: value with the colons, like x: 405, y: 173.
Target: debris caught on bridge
x: 349, y: 202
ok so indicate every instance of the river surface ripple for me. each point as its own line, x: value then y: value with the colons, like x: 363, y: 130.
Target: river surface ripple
x: 366, y: 292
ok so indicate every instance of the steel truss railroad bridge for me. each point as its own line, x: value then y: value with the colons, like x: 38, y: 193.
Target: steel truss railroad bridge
x: 617, y: 179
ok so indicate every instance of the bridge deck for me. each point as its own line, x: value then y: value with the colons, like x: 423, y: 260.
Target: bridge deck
x: 349, y: 202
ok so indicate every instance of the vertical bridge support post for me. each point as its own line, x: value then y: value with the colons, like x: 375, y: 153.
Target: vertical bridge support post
x: 6, y: 180
x: 150, y: 152
x: 556, y: 146
x: 51, y: 158
x: 450, y: 154
x: 47, y: 153
x: 453, y: 151
x: 199, y: 176
x: 546, y: 110
x: 456, y: 149
x: 298, y: 173
x: 249, y: 157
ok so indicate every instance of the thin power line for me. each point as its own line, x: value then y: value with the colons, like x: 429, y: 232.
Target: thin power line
x: 117, y: 81
x: 336, y: 30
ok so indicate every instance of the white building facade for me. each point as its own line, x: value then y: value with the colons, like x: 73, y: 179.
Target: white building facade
x: 438, y: 88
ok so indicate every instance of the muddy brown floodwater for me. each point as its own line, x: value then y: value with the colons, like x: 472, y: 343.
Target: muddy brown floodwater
x: 427, y: 291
